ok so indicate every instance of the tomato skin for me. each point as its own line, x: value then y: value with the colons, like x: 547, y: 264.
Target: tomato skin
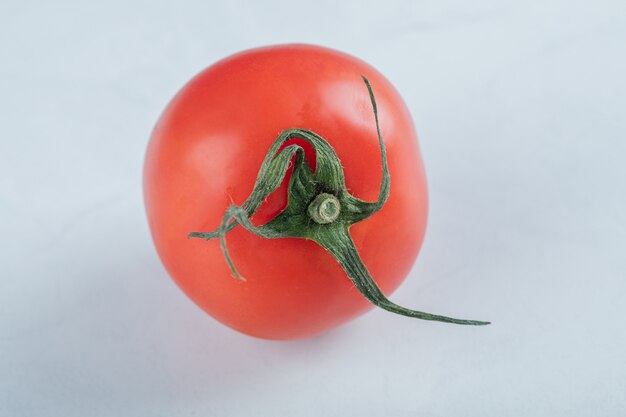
x: 205, y: 153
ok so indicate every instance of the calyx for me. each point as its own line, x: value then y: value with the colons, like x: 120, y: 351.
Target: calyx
x: 319, y: 208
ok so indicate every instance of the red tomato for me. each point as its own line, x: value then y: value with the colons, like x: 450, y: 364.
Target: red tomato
x: 205, y: 153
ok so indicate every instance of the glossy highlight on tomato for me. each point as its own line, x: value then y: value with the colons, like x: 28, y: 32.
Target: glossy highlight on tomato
x: 204, y: 155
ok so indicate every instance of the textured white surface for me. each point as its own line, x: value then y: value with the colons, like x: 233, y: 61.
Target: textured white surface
x: 520, y: 108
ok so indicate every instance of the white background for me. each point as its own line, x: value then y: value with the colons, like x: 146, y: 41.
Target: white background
x: 521, y: 112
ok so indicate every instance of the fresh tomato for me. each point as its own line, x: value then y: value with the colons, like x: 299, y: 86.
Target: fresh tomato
x: 204, y: 156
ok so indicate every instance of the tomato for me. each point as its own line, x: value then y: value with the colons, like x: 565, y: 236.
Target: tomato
x: 204, y: 156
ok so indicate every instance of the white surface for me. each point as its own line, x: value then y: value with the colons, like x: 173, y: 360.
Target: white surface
x: 521, y: 112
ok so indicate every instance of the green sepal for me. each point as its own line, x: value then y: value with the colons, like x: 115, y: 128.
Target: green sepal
x: 306, y: 188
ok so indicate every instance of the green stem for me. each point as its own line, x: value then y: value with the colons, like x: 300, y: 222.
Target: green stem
x: 319, y: 208
x: 324, y: 209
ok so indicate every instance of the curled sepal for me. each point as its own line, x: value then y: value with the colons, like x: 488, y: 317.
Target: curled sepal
x: 241, y: 216
x: 319, y: 208
x: 272, y: 173
x: 337, y: 242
